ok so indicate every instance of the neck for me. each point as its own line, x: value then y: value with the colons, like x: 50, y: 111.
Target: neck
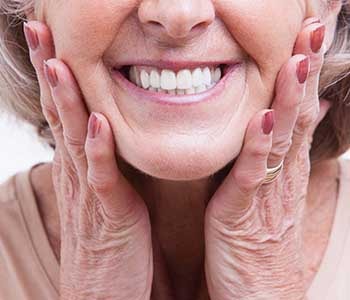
x: 169, y: 200
x: 176, y: 210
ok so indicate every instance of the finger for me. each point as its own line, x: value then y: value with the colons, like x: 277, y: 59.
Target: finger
x: 59, y: 180
x: 41, y: 48
x: 310, y: 21
x: 71, y: 110
x: 310, y: 42
x: 290, y: 91
x: 118, y: 197
x: 325, y: 105
x: 233, y: 201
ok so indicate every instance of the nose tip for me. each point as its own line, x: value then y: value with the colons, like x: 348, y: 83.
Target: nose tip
x: 177, y: 18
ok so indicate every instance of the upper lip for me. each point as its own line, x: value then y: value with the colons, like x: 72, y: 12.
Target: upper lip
x: 174, y: 65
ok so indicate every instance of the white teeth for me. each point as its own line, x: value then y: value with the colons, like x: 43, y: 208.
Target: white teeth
x: 190, y: 91
x: 144, y: 79
x: 132, y: 74
x: 155, y: 79
x: 197, y: 77
x: 135, y: 76
x: 184, y: 82
x: 184, y: 79
x: 168, y: 80
x: 180, y: 92
x: 212, y: 72
x: 211, y: 85
x: 217, y: 75
x: 201, y: 88
x: 206, y: 76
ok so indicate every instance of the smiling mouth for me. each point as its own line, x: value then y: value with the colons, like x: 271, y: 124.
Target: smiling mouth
x: 186, y: 81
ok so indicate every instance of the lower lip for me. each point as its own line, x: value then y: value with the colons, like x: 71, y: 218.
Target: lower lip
x: 162, y: 98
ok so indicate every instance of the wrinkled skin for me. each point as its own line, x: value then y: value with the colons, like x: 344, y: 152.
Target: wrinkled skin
x: 103, y: 218
x: 191, y: 144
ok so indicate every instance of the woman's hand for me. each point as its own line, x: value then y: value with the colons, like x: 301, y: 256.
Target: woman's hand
x: 253, y: 230
x: 106, y: 246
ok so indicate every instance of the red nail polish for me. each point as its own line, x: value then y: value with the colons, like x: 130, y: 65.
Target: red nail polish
x: 317, y: 38
x: 312, y: 21
x: 303, y: 70
x: 268, y: 122
x: 315, y: 21
x: 94, y: 126
x: 31, y: 37
x: 50, y: 74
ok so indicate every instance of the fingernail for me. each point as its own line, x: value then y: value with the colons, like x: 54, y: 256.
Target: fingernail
x: 50, y: 74
x: 303, y: 70
x: 317, y: 37
x: 31, y: 36
x: 268, y: 122
x: 316, y: 20
x: 312, y: 20
x: 94, y: 126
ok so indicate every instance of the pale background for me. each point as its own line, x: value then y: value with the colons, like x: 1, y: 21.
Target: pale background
x: 20, y: 148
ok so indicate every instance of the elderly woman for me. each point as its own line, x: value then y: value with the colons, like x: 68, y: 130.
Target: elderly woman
x: 197, y: 150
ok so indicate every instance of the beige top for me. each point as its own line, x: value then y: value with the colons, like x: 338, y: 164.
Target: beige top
x: 29, y: 269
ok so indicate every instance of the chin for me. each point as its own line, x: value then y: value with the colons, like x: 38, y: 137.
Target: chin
x: 181, y: 164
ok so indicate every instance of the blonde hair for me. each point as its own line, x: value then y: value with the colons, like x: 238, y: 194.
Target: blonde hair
x: 20, y: 93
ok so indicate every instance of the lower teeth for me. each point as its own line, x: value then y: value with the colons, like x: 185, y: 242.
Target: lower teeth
x: 190, y: 91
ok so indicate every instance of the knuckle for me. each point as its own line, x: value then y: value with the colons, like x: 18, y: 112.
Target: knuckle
x: 56, y: 128
x: 290, y: 102
x: 70, y: 186
x: 307, y: 119
x: 291, y: 105
x: 100, y: 185
x: 56, y: 162
x: 96, y: 154
x: 259, y: 152
x: 75, y: 146
x: 66, y: 102
x: 51, y: 115
x: 247, y: 182
x: 281, y: 146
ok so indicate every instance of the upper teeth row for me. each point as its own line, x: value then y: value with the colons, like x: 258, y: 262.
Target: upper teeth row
x: 169, y: 80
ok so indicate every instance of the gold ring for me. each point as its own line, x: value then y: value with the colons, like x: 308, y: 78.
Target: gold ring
x: 272, y: 173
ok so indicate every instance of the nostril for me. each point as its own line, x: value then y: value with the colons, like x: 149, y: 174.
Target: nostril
x: 200, y: 26
x: 155, y: 23
x: 176, y: 29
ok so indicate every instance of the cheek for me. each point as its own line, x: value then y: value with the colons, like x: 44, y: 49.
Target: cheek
x: 84, y: 29
x: 273, y: 30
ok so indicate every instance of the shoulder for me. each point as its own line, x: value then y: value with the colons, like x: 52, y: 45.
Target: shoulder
x: 7, y: 191
x: 10, y: 208
x: 345, y: 170
x: 26, y: 269
x: 13, y: 194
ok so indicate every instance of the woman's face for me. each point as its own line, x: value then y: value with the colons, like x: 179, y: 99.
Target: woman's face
x: 180, y: 142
